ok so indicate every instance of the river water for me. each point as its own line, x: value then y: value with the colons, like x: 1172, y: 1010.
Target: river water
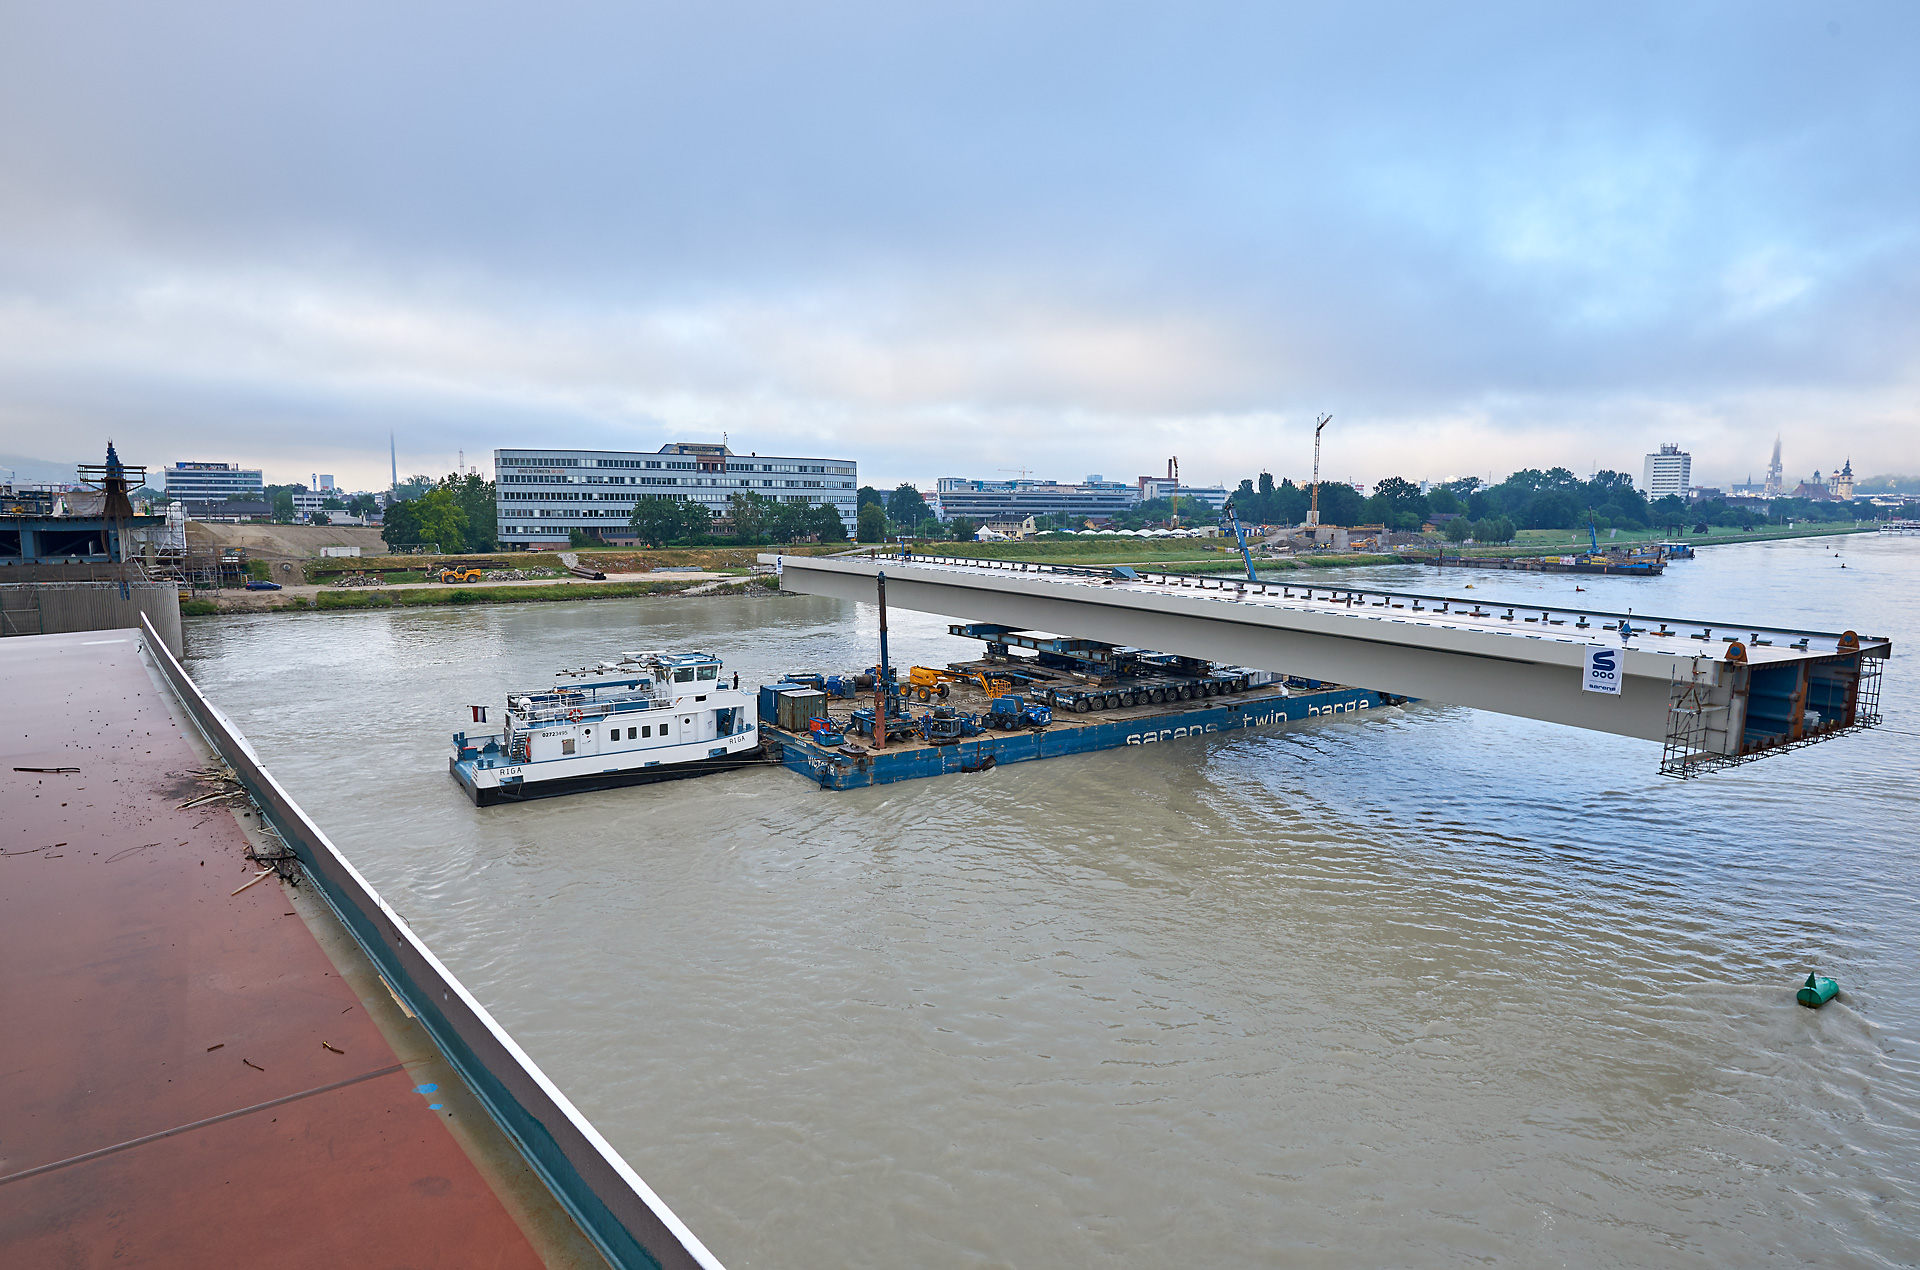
x: 1430, y: 987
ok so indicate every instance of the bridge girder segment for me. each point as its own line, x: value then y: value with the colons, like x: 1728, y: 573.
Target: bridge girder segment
x: 1683, y: 677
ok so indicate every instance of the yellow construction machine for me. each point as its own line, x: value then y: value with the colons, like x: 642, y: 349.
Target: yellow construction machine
x: 459, y: 574
x: 927, y: 684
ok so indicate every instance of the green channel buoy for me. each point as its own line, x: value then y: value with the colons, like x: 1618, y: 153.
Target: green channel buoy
x: 1817, y: 991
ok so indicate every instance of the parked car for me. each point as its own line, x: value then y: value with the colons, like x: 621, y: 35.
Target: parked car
x: 258, y: 585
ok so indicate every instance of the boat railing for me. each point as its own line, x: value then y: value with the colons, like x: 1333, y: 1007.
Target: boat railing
x: 543, y: 713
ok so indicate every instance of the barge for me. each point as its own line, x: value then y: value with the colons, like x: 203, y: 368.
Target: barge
x: 645, y: 717
x: 1635, y: 566
x: 826, y: 756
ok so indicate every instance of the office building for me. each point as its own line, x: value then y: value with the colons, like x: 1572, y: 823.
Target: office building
x: 543, y: 494
x: 212, y: 481
x: 985, y: 501
x: 1152, y: 487
x: 1668, y: 472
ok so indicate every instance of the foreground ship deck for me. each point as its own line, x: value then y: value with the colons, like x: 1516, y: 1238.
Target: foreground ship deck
x: 191, y: 1078
x: 206, y: 1066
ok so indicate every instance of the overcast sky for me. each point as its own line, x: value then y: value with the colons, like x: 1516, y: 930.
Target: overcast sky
x: 956, y: 239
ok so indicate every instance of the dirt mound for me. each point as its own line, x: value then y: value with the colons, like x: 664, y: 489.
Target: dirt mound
x: 282, y: 542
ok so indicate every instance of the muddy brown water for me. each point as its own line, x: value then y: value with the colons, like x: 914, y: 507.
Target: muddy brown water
x: 1427, y: 988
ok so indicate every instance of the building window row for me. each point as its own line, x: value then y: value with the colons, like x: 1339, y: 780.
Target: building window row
x: 674, y: 464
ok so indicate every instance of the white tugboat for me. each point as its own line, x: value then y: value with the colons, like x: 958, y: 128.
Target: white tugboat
x: 647, y: 717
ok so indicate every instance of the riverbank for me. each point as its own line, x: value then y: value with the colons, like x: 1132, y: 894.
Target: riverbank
x: 1224, y: 557
x: 560, y: 590
x: 415, y: 568
x: 725, y: 571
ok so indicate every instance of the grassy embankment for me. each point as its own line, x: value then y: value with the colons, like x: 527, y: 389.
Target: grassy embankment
x: 472, y: 593
x: 422, y: 568
x: 1171, y: 556
x: 1208, y: 556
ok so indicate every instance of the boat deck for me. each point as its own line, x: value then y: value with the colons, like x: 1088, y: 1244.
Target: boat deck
x: 193, y: 1077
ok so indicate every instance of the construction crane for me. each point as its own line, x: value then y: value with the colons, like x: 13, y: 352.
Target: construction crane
x: 1241, y: 533
x: 1022, y: 472
x: 1313, y: 513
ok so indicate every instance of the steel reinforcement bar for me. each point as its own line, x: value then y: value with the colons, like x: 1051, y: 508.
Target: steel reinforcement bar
x: 631, y: 1225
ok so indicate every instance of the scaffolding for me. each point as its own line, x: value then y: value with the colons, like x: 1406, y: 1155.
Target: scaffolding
x: 1696, y: 741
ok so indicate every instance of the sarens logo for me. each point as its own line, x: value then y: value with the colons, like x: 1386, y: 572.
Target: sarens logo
x: 1603, y: 670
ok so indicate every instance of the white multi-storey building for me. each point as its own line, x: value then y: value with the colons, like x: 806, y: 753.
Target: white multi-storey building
x: 1668, y: 472
x: 212, y: 482
x: 543, y: 494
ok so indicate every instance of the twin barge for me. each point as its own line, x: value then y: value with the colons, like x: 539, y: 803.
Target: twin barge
x: 839, y: 767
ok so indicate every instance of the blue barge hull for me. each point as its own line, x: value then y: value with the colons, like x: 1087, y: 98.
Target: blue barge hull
x: 1138, y: 726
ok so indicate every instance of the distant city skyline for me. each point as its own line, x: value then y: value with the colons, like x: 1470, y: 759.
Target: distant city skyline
x: 1014, y: 237
x: 1706, y: 472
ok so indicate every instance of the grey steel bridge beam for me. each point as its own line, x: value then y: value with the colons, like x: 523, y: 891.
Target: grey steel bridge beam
x: 1516, y: 660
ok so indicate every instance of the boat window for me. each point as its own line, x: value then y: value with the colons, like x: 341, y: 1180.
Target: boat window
x: 709, y: 672
x: 646, y: 731
x: 632, y: 733
x: 566, y: 745
x: 663, y: 729
x: 683, y: 676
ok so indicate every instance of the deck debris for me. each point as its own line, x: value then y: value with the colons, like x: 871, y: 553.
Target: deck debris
x: 250, y: 1063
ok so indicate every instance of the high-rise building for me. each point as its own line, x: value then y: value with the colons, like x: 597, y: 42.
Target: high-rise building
x: 212, y: 481
x: 542, y: 494
x: 1668, y: 472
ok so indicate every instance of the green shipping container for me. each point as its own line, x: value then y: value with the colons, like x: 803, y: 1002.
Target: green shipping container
x: 797, y: 705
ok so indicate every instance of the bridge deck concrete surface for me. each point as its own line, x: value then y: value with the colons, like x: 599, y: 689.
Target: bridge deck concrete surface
x: 189, y: 1079
x: 1514, y: 660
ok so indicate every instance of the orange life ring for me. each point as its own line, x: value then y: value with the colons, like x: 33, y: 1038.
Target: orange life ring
x: 573, y: 716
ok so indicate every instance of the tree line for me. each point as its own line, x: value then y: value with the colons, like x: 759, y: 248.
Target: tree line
x: 455, y: 513
x: 458, y: 511
x: 1527, y: 499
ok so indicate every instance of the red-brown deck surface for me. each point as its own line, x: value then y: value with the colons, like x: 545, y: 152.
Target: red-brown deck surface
x: 126, y: 1137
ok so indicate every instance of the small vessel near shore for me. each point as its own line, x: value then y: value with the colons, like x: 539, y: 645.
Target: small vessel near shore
x: 1632, y: 566
x: 647, y: 716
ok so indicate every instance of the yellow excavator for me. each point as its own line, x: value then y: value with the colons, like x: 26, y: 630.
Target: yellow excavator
x: 457, y: 573
x: 926, y: 684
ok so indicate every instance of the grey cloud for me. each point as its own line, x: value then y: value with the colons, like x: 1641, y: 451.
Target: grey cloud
x: 942, y: 231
